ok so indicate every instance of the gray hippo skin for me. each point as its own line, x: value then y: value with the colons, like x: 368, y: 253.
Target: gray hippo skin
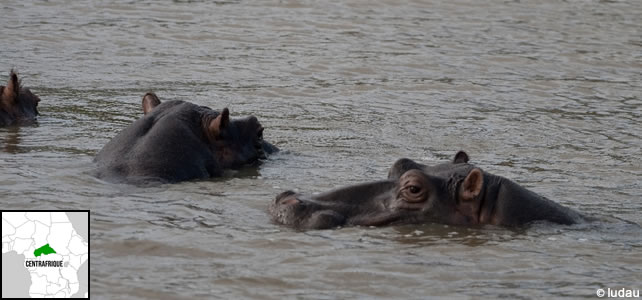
x: 456, y: 193
x: 18, y: 106
x: 177, y: 141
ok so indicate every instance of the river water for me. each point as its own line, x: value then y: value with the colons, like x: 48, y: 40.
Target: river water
x: 546, y: 93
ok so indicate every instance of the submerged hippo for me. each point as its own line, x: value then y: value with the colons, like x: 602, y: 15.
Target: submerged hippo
x: 18, y: 106
x: 455, y: 193
x: 177, y: 140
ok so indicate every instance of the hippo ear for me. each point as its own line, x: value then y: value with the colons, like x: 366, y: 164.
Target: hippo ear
x: 469, y: 203
x: 472, y: 185
x: 219, y: 124
x: 10, y: 92
x: 460, y: 157
x: 150, y: 100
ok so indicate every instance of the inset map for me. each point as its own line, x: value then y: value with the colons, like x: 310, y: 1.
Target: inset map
x: 45, y: 254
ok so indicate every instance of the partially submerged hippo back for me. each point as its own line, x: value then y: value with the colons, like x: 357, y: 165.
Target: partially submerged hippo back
x: 176, y: 141
x: 452, y: 193
x: 18, y: 106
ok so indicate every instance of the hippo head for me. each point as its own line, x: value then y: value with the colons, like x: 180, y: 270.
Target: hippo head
x: 233, y: 142
x: 17, y: 104
x: 455, y: 192
x: 410, y: 195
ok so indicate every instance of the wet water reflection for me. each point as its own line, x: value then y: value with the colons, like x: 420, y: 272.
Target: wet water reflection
x: 11, y: 139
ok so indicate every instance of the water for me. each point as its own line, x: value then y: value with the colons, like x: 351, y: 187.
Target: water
x: 543, y: 92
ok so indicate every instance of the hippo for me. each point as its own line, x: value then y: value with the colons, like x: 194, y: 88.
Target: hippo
x: 454, y: 193
x: 176, y: 141
x: 18, y: 106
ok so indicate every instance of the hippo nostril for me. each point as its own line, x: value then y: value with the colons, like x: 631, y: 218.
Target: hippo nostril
x: 261, y: 154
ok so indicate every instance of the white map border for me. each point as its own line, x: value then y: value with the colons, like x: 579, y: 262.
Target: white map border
x: 22, y: 232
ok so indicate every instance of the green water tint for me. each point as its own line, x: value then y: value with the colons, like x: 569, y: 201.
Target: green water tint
x: 44, y: 250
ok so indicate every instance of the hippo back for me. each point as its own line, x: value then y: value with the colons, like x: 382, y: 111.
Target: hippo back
x: 166, y: 144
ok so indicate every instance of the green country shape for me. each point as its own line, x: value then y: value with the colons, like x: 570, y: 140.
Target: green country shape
x: 44, y: 250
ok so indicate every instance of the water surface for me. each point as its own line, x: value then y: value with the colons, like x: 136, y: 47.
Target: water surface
x: 543, y: 92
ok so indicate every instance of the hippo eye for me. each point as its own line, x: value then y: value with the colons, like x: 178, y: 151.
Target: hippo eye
x: 413, y: 189
x: 259, y: 134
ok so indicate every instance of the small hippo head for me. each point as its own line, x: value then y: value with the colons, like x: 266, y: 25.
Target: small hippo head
x: 414, y: 196
x: 233, y: 142
x: 17, y: 104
